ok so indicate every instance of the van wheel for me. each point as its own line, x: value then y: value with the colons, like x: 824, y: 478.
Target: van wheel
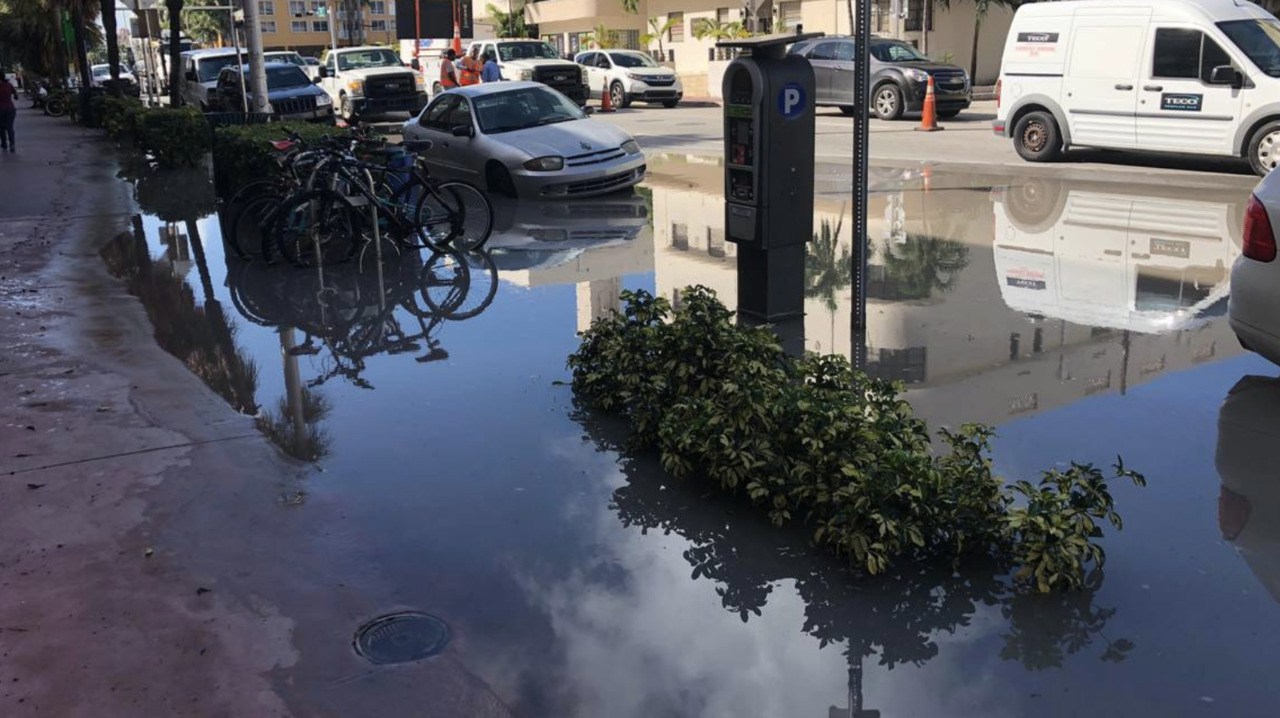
x: 1264, y: 149
x: 1037, y: 138
x: 888, y: 102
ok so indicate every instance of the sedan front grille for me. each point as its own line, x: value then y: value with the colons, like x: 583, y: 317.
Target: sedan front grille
x: 595, y: 158
x: 604, y: 184
x: 660, y: 81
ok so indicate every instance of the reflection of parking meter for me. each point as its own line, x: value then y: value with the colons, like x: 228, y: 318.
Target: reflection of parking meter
x: 769, y: 146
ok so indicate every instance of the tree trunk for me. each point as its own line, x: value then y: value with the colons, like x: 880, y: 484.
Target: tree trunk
x: 113, y: 43
x: 973, y: 59
x: 852, y: 25
x: 924, y: 26
x: 175, y: 51
x: 81, y: 54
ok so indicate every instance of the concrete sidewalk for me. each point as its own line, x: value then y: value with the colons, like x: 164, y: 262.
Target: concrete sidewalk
x: 147, y: 564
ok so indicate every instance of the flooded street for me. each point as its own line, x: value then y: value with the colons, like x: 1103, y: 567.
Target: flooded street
x: 1082, y: 320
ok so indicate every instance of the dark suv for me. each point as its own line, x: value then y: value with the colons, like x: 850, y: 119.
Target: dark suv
x: 293, y: 96
x: 899, y: 76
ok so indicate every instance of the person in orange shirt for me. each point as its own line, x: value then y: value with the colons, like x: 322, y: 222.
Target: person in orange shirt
x: 472, y: 66
x: 448, y: 72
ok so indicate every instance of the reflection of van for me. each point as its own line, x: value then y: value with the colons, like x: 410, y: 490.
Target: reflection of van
x: 1093, y: 256
x: 1185, y: 76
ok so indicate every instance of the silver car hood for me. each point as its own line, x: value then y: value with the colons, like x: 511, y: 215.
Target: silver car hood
x: 565, y: 139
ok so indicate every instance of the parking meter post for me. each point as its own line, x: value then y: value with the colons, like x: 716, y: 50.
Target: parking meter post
x: 769, y: 130
x: 861, y: 137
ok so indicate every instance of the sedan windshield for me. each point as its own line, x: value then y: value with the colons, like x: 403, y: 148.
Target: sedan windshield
x: 509, y: 51
x: 895, y: 52
x: 1259, y: 40
x: 524, y: 108
x: 209, y: 67
x: 368, y: 58
x: 279, y: 78
x: 632, y: 59
x: 292, y: 58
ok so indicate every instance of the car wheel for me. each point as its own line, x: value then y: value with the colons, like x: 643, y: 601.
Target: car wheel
x: 670, y: 103
x: 948, y: 114
x: 346, y: 110
x: 848, y: 111
x: 498, y: 179
x: 1264, y: 149
x: 1036, y: 137
x: 887, y: 102
x: 618, y: 95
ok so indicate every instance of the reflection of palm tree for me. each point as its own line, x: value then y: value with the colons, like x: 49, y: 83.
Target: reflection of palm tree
x: 922, y: 264
x: 827, y: 269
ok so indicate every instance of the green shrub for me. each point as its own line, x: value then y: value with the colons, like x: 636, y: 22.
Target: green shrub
x: 816, y: 440
x: 173, y: 137
x: 119, y: 116
x: 243, y: 153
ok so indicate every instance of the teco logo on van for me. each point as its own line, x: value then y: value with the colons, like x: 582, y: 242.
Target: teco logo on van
x: 1038, y: 37
x: 1182, y: 103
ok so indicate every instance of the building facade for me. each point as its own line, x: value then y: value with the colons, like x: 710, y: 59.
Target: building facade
x: 303, y: 25
x: 948, y: 34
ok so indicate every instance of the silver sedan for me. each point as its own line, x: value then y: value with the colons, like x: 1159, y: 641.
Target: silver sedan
x: 523, y: 139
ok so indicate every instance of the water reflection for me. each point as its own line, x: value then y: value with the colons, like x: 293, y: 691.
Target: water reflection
x: 1249, y: 503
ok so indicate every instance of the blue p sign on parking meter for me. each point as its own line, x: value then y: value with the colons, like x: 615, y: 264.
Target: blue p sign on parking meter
x: 791, y: 101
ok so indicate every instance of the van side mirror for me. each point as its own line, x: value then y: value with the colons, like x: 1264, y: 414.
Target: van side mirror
x: 463, y: 131
x: 324, y: 72
x: 1226, y: 75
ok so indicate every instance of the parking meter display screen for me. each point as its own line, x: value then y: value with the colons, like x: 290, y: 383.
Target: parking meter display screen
x: 742, y: 142
x: 741, y: 188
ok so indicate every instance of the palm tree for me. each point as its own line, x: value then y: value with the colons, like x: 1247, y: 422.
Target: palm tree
x: 209, y: 27
x: 631, y: 7
x: 827, y: 269
x: 921, y: 264
x: 659, y: 28
x: 508, y: 23
x: 705, y: 27
x: 601, y: 37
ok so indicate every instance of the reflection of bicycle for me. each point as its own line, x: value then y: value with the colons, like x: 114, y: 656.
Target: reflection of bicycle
x: 347, y: 315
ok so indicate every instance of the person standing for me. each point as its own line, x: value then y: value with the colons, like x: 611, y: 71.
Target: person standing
x: 472, y: 66
x: 8, y: 113
x: 490, y: 72
x: 448, y: 71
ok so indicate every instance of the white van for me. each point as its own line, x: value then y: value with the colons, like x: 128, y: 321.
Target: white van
x: 1186, y: 76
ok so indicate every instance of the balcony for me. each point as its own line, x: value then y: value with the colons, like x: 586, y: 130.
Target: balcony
x: 588, y: 11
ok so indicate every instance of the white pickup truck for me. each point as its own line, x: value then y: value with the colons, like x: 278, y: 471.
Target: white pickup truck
x: 369, y: 81
x: 537, y: 61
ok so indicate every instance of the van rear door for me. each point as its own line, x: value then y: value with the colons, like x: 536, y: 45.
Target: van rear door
x: 1100, y: 92
x: 1178, y: 110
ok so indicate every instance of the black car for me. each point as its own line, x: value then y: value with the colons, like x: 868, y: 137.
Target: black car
x: 899, y: 77
x: 293, y: 96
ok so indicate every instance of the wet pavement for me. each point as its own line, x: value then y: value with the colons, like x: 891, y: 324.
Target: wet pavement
x: 1083, y: 320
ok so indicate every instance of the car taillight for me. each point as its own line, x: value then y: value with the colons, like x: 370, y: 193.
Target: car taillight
x: 1259, y: 240
x: 999, y: 86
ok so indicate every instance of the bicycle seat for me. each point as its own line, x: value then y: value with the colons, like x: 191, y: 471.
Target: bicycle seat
x: 282, y: 145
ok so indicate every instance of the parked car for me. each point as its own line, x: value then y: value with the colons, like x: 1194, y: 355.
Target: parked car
x: 371, y: 80
x: 200, y: 70
x: 1185, y: 76
x: 293, y: 58
x: 102, y: 73
x: 899, y: 77
x: 631, y: 77
x: 537, y: 61
x: 524, y: 139
x: 293, y: 95
x: 1249, y: 499
x: 1254, y: 307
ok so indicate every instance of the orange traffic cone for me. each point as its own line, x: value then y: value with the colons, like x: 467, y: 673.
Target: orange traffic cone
x: 929, y: 118
x: 606, y: 100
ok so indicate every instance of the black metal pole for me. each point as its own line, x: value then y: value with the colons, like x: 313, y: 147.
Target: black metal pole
x: 175, y: 51
x: 861, y: 131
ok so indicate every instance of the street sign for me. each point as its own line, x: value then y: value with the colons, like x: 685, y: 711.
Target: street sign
x: 792, y: 101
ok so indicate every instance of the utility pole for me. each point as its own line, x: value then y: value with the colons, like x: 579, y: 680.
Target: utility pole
x: 257, y: 63
x: 861, y: 137
x: 175, y: 51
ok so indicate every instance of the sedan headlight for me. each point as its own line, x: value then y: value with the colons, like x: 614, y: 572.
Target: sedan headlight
x: 545, y: 164
x: 323, y: 100
x: 526, y: 75
x: 916, y: 75
x: 631, y: 147
x: 356, y: 86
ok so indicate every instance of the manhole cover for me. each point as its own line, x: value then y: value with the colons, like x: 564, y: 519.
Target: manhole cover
x: 402, y: 637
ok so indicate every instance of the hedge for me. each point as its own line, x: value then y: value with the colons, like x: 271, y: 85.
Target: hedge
x: 243, y: 153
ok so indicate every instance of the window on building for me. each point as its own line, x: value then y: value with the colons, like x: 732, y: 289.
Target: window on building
x: 297, y: 8
x: 556, y: 41
x: 268, y: 25
x: 298, y: 26
x: 676, y: 33
x: 715, y: 242
x: 1186, y: 54
x: 627, y: 39
x: 905, y: 365
x: 318, y: 5
x: 915, y: 15
x: 378, y: 7
x: 722, y: 15
x: 575, y: 42
x: 882, y: 16
x: 378, y: 25
x: 266, y: 7
x: 789, y: 15
x: 680, y: 236
x: 319, y: 26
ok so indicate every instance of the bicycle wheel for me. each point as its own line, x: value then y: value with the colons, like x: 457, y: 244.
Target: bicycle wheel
x: 443, y: 283
x: 247, y: 229
x: 317, y: 227
x: 55, y: 107
x: 253, y: 189
x: 454, y: 214
x: 481, y: 290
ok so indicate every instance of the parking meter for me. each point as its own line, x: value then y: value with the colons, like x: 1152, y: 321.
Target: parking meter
x: 769, y: 133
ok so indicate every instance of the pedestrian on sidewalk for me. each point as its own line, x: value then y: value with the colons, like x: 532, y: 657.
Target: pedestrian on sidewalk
x: 8, y: 113
x: 491, y: 71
